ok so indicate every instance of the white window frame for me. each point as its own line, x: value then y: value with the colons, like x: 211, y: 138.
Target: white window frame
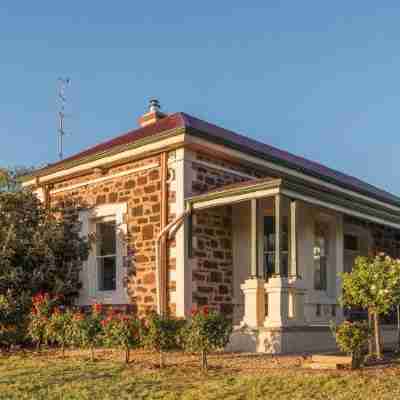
x: 327, y: 238
x: 102, y: 257
x: 90, y: 291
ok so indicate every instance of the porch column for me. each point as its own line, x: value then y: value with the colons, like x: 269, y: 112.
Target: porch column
x: 278, y: 227
x: 254, y: 239
x: 284, y: 290
x: 293, y: 239
x: 253, y: 288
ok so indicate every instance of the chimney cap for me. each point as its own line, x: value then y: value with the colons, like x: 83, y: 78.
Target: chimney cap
x: 153, y: 114
x: 154, y: 105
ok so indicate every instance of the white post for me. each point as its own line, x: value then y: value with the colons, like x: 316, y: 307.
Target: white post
x: 285, y: 293
x: 293, y: 239
x: 253, y: 288
x: 254, y: 303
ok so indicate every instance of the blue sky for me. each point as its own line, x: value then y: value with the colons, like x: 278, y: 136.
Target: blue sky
x: 317, y: 78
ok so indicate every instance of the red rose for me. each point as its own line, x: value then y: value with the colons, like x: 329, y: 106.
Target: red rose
x: 97, y: 308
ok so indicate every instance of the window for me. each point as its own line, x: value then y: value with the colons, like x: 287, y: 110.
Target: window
x: 351, y: 251
x: 351, y: 242
x: 318, y: 310
x: 320, y: 256
x: 106, y: 255
x: 269, y: 246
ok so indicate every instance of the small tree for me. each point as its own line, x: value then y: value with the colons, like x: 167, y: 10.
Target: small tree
x: 60, y: 328
x: 351, y: 337
x: 161, y: 334
x: 87, y: 329
x: 373, y: 285
x: 122, y: 331
x: 207, y: 331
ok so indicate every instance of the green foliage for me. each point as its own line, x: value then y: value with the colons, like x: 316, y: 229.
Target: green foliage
x: 352, y: 337
x: 41, y: 250
x: 161, y: 334
x: 11, y: 312
x: 123, y: 331
x: 59, y: 329
x: 42, y: 308
x: 207, y: 331
x: 87, y: 329
x: 10, y: 179
x: 373, y: 284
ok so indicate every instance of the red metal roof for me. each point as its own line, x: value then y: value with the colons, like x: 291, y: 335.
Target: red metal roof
x: 242, y: 143
x: 170, y: 122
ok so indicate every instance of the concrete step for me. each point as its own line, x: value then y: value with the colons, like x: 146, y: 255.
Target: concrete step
x: 331, y: 359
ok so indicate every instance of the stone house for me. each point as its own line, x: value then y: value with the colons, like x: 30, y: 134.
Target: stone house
x: 188, y: 214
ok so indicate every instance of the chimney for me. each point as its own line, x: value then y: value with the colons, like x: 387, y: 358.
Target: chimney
x: 153, y: 115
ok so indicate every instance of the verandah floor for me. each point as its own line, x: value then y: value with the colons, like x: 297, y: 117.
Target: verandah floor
x: 231, y: 376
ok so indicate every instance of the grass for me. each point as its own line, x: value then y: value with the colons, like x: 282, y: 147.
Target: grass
x: 47, y: 376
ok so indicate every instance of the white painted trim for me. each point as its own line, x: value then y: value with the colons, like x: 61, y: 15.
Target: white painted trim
x: 277, y: 167
x: 221, y: 168
x: 89, y: 291
x: 344, y: 210
x: 151, y: 147
x: 105, y: 178
x: 237, y: 198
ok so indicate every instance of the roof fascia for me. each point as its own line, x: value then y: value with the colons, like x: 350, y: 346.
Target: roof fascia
x: 293, y: 191
x: 99, y: 159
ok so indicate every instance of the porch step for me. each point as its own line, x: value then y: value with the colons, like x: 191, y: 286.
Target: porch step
x: 329, y: 361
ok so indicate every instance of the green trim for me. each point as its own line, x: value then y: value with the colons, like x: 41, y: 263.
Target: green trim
x: 234, y: 191
x: 353, y: 204
x: 278, y: 161
x: 331, y: 198
x: 110, y: 152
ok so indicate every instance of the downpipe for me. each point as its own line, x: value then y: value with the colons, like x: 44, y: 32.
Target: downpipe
x: 166, y: 233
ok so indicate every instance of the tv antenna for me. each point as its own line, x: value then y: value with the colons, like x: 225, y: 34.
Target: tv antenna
x: 63, y: 83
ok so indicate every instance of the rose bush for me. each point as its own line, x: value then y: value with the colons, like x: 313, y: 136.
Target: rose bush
x: 122, y: 331
x: 42, y: 307
x: 207, y: 331
x: 87, y: 329
x: 59, y: 330
x: 161, y: 334
x: 352, y: 338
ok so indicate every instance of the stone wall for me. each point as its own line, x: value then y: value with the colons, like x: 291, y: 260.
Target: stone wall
x: 141, y: 190
x: 212, y: 266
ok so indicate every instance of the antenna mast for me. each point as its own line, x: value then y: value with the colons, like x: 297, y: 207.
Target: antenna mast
x: 62, y: 85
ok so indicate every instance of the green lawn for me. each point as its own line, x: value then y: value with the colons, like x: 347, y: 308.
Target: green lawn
x: 231, y: 377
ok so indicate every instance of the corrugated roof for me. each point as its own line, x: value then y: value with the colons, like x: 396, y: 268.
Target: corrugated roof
x: 171, y: 122
x: 243, y: 143
x: 309, y: 167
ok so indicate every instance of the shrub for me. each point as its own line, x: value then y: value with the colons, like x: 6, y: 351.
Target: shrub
x: 60, y: 329
x: 122, y: 331
x: 41, y: 248
x: 87, y: 329
x: 12, y: 321
x: 42, y: 306
x: 207, y: 331
x: 352, y: 337
x: 161, y: 334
